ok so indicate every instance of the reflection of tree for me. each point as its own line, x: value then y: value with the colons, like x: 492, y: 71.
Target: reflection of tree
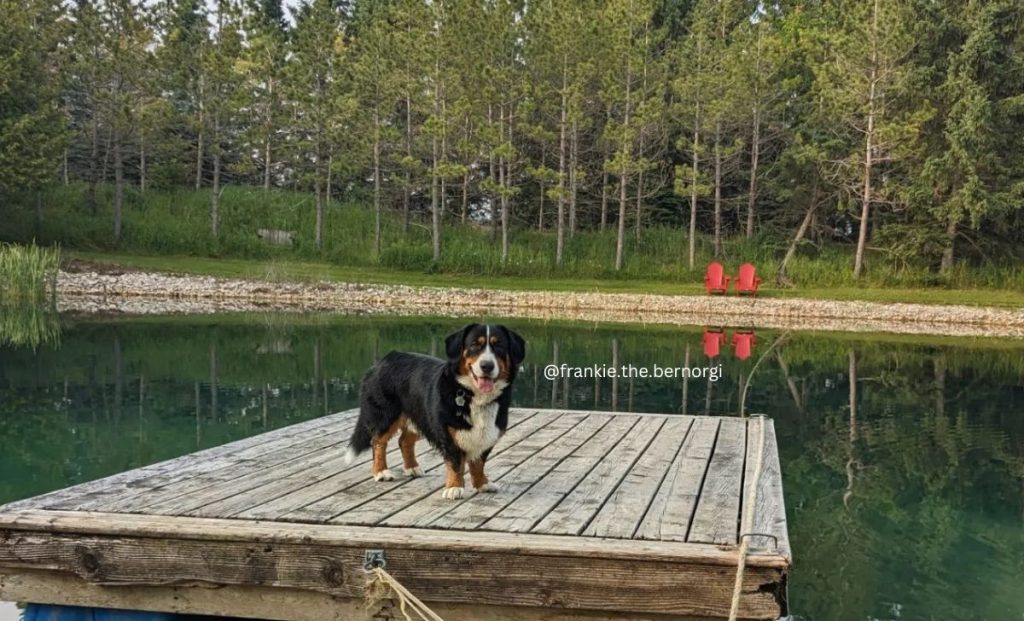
x: 790, y: 384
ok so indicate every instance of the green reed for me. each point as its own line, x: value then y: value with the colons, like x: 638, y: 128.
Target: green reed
x: 28, y: 274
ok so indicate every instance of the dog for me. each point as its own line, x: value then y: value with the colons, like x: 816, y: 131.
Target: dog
x: 459, y: 405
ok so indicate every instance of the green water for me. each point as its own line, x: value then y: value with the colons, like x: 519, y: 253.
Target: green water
x: 909, y: 507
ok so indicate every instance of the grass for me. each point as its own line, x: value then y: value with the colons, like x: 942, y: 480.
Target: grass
x: 168, y: 230
x: 306, y: 271
x: 28, y: 274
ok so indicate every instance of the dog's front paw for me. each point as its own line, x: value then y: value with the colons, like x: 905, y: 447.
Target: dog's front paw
x: 383, y: 475
x: 489, y: 488
x: 415, y: 471
x: 453, y: 493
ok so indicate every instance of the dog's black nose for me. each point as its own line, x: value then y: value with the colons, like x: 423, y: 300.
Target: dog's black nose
x: 486, y: 366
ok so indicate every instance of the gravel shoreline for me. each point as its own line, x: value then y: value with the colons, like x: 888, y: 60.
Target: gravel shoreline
x: 148, y: 293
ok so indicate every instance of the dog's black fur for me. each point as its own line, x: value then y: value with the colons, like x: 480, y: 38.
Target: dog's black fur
x: 425, y: 390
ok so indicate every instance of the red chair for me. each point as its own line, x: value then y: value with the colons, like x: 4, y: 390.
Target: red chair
x: 747, y: 280
x: 743, y: 344
x: 715, y: 280
x: 712, y: 341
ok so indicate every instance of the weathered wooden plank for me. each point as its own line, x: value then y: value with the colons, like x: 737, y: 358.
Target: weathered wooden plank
x: 422, y: 496
x: 646, y: 586
x: 572, y: 515
x: 258, y: 532
x: 192, y: 498
x: 533, y: 504
x: 513, y: 481
x: 716, y: 519
x: 621, y: 514
x: 769, y: 506
x: 293, y: 497
x: 310, y: 509
x: 277, y: 452
x: 169, y: 469
x: 669, y: 514
x: 278, y: 603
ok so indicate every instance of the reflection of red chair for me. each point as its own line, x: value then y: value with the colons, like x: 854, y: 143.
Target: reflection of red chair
x: 747, y: 280
x: 715, y: 280
x: 743, y: 344
x: 713, y: 340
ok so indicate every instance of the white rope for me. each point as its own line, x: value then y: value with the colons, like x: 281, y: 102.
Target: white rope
x: 405, y: 597
x: 746, y: 525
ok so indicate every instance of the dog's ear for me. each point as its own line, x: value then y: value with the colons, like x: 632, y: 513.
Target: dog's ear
x: 516, y: 347
x: 454, y: 342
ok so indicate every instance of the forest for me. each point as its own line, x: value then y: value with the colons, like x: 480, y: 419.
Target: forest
x: 884, y: 132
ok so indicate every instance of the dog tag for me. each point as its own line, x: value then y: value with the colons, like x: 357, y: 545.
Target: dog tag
x: 460, y: 400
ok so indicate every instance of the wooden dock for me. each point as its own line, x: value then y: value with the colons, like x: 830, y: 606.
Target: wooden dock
x: 599, y: 516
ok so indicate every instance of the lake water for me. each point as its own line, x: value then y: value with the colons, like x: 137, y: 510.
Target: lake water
x: 907, y: 506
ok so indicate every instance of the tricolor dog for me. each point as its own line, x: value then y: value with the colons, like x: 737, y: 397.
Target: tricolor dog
x: 460, y: 405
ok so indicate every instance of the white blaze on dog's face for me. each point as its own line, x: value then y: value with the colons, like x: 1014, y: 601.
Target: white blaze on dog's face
x: 486, y: 358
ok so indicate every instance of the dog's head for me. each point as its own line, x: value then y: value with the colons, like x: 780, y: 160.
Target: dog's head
x: 485, y: 358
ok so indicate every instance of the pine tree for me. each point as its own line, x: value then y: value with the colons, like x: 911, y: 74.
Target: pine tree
x: 32, y: 127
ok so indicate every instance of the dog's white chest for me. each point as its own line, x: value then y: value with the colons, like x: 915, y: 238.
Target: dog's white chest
x: 484, y: 433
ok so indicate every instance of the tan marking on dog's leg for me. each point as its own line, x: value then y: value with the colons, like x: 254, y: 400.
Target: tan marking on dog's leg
x: 479, y: 479
x: 407, y: 442
x: 380, y: 453
x: 454, y: 484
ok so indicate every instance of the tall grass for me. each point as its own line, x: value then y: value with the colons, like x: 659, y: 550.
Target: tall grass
x: 28, y: 274
x: 177, y: 222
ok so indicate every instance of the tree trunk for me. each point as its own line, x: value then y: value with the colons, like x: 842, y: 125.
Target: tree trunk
x: 718, y: 189
x: 65, y: 167
x: 444, y: 157
x: 435, y: 208
x: 465, y: 195
x: 573, y: 185
x: 142, y: 161
x: 106, y: 155
x: 267, y: 162
x: 540, y: 216
x: 93, y: 156
x: 560, y: 221
x: 503, y: 180
x: 319, y: 198
x: 329, y: 187
x: 865, y: 210
x: 604, y: 200
x: 639, y: 200
x: 623, y: 175
x: 493, y: 177
x: 215, y: 195
x: 755, y: 152
x: 948, y: 255
x: 199, y: 138
x: 780, y: 274
x: 693, y: 190
x: 376, y: 182
x: 407, y: 198
x: 755, y: 146
x: 118, y: 189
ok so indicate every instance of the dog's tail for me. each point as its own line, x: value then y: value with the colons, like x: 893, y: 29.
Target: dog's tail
x: 360, y: 442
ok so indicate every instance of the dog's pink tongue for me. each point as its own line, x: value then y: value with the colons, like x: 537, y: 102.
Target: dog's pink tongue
x: 485, y: 384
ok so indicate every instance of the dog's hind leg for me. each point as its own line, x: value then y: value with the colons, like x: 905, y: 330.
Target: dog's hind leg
x: 380, y: 453
x: 407, y: 442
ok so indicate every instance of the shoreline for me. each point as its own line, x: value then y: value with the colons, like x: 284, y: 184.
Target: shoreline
x: 131, y: 292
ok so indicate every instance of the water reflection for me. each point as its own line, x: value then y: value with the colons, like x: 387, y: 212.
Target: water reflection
x: 28, y: 325
x: 903, y: 458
